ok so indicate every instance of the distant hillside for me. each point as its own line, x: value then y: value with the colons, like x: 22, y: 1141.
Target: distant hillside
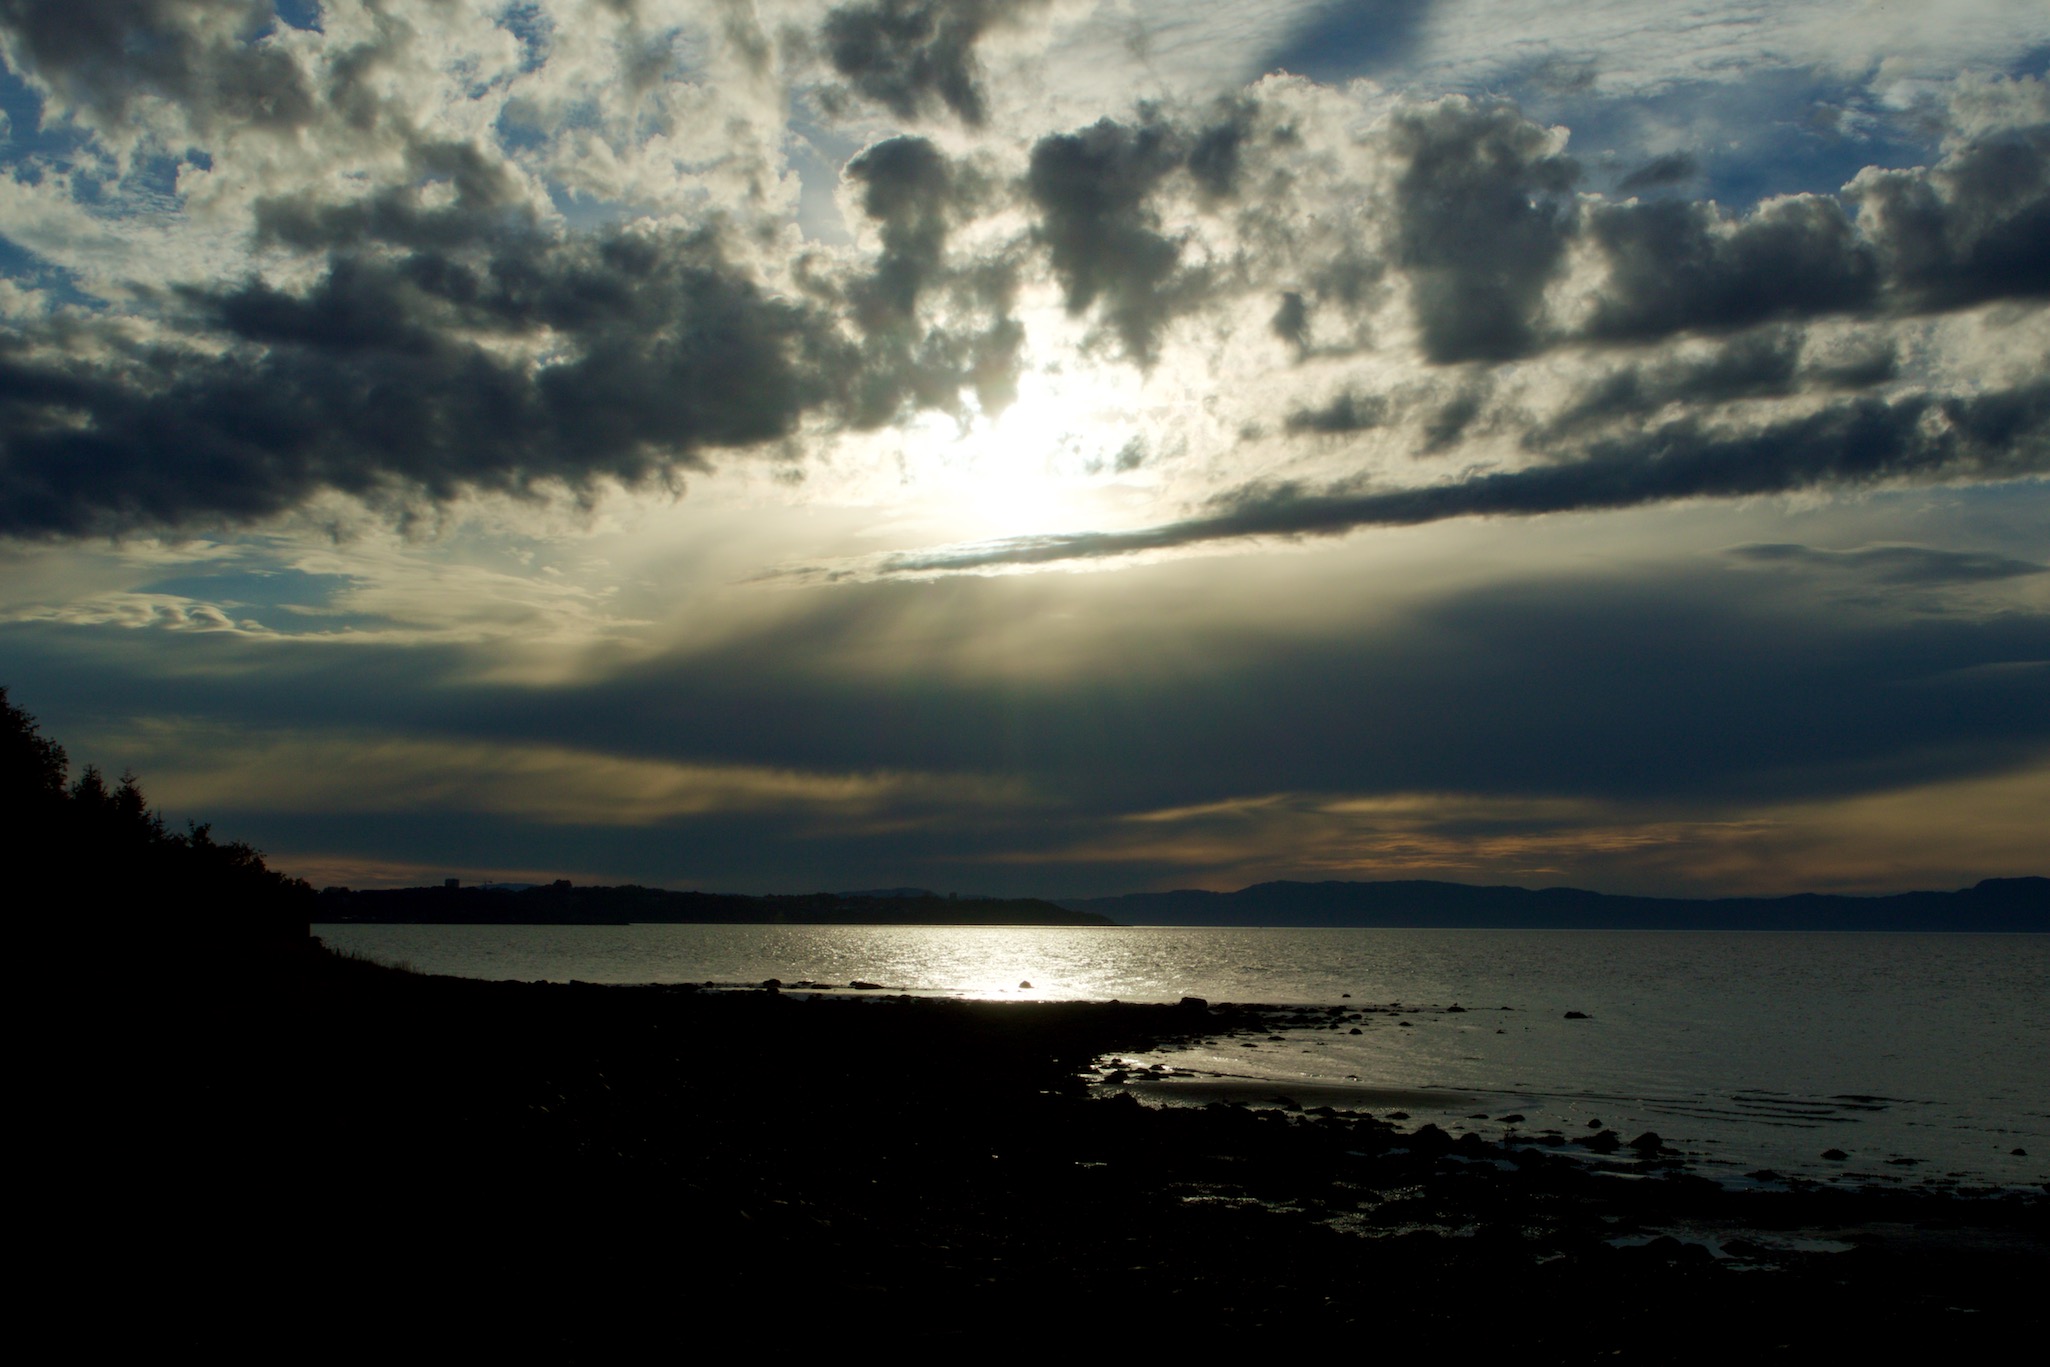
x: 562, y: 904
x: 1997, y: 904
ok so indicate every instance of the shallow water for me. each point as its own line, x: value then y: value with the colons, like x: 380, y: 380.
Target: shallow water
x: 1744, y: 1050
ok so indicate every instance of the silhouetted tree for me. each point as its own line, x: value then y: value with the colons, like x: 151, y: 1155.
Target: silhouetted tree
x: 32, y: 766
x: 104, y: 858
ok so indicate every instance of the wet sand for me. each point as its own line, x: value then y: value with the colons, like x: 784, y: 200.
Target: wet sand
x: 326, y: 1159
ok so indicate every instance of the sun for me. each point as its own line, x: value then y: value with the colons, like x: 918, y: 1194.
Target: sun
x: 1041, y: 464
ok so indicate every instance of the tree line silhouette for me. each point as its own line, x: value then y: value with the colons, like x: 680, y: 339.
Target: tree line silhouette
x: 102, y: 850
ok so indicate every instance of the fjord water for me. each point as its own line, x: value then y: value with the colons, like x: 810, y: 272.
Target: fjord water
x: 1743, y: 1050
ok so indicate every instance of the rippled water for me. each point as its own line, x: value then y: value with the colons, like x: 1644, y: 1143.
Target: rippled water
x: 1745, y: 1050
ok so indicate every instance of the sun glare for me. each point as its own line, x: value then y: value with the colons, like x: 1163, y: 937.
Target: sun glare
x: 1041, y: 464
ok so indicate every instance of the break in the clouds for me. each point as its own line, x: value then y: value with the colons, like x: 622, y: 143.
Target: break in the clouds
x: 612, y: 352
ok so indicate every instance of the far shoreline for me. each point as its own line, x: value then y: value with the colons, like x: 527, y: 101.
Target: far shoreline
x: 1992, y: 904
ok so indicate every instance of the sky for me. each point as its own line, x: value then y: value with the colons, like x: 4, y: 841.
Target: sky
x: 1057, y: 448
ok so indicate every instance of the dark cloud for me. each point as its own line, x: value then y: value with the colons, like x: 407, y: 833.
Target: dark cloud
x: 1091, y: 189
x: 1094, y: 189
x: 1666, y: 684
x: 1973, y: 228
x: 1674, y: 168
x: 489, y: 202
x: 1852, y: 363
x: 1905, y: 565
x: 1661, y: 681
x: 909, y: 188
x: 1484, y: 220
x: 1760, y: 364
x: 376, y: 382
x: 1976, y: 227
x: 96, y: 59
x: 1447, y: 421
x: 389, y: 377
x: 1675, y: 266
x: 1348, y: 411
x: 1217, y: 154
x: 1291, y: 322
x: 913, y: 56
x: 1990, y: 436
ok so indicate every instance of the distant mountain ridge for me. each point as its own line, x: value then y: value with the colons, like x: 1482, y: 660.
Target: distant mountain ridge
x: 563, y: 904
x: 1995, y: 904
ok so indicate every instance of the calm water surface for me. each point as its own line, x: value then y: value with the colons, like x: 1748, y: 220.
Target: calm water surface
x: 1745, y: 1050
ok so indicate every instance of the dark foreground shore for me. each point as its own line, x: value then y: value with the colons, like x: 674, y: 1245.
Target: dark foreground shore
x: 312, y: 1158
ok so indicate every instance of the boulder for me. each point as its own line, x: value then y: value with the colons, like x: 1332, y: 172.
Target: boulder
x: 1429, y: 1139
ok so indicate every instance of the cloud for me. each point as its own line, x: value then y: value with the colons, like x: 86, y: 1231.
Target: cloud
x: 1484, y: 224
x: 1024, y: 718
x: 1091, y: 190
x: 390, y: 380
x: 1769, y: 362
x: 1906, y: 565
x: 1975, y: 227
x: 1675, y: 266
x: 1347, y: 412
x: 1937, y: 835
x: 1992, y: 436
x: 428, y: 309
x: 97, y: 61
x: 906, y: 186
x: 488, y: 201
x: 914, y: 57
x: 169, y: 612
x: 1657, y: 681
x: 1674, y: 168
x: 917, y: 195
x: 1291, y: 321
x: 549, y: 784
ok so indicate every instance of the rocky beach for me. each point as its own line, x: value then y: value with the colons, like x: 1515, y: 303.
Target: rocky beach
x: 319, y: 1153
